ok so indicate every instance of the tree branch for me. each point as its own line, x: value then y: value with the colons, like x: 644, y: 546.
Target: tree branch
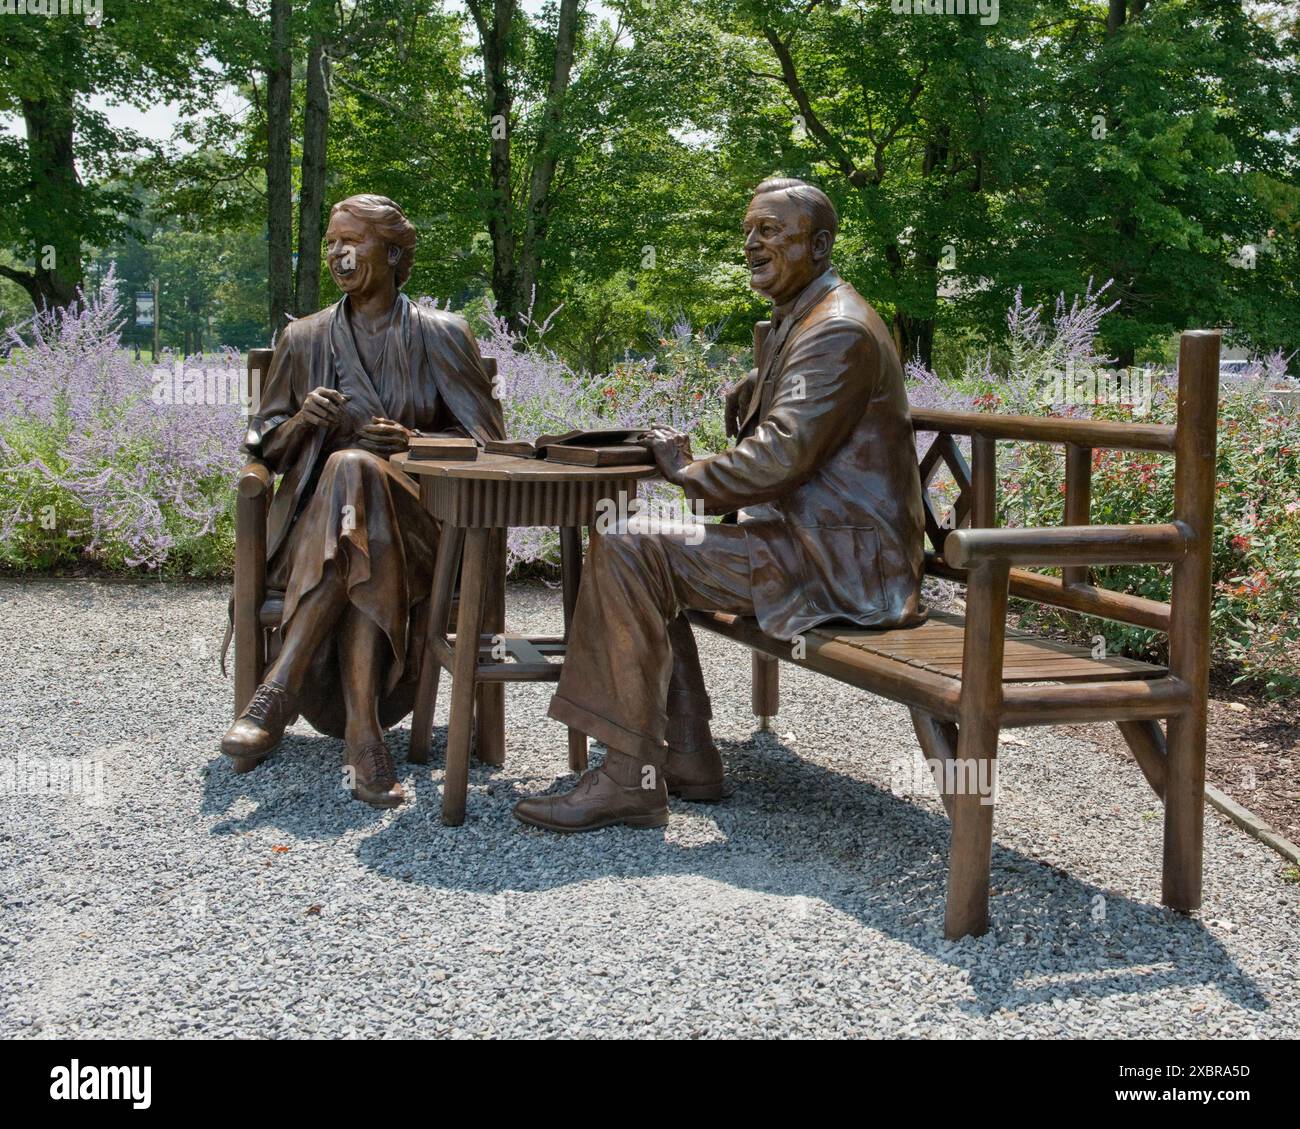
x: 23, y: 278
x: 790, y: 76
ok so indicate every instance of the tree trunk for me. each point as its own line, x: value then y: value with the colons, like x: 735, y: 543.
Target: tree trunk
x: 55, y: 202
x: 913, y: 338
x: 1126, y: 224
x: 1116, y: 16
x: 546, y: 156
x: 279, y: 181
x: 311, y: 202
x: 494, y: 38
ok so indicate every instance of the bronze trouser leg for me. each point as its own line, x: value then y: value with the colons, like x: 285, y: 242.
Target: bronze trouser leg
x: 360, y: 640
x: 313, y: 620
x: 689, y: 708
x: 628, y: 645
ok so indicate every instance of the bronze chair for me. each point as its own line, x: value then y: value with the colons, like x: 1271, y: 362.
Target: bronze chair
x: 256, y: 610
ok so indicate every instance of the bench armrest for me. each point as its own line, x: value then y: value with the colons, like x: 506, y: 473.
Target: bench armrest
x: 254, y: 480
x: 1068, y: 545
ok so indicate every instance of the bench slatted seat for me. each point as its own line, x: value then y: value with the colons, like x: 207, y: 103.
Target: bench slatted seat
x: 966, y: 677
x: 937, y: 646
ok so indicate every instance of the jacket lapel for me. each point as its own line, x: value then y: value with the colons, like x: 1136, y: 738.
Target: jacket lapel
x: 776, y: 342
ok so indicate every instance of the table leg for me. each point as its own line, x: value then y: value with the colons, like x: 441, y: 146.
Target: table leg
x: 571, y: 579
x: 469, y: 624
x: 450, y: 543
x: 490, y: 712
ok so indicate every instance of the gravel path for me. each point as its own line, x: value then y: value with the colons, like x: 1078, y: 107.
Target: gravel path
x: 170, y: 897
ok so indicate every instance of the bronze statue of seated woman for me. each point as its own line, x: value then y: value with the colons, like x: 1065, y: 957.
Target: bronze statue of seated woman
x: 347, y: 537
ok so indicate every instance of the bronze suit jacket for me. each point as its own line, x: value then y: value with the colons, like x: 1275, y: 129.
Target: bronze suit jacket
x: 825, y: 471
x: 304, y: 359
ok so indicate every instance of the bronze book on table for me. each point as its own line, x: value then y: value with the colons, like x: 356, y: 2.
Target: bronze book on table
x: 443, y: 447
x: 624, y: 454
x: 609, y: 447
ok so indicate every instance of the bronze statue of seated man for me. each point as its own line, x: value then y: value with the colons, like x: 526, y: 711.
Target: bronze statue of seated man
x: 824, y: 474
x: 347, y: 537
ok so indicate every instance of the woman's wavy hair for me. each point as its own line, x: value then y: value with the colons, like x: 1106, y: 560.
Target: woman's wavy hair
x: 388, y: 219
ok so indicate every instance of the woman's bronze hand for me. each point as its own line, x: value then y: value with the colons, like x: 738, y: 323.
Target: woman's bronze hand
x: 323, y: 406
x: 383, y: 437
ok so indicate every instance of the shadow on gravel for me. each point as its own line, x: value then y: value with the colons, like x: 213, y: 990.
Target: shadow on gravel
x: 862, y: 850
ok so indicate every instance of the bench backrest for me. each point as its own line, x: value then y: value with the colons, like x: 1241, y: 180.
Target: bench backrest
x: 1191, y: 440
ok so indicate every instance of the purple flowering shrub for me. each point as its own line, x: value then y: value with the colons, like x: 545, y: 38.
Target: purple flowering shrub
x: 93, y: 469
x: 97, y: 467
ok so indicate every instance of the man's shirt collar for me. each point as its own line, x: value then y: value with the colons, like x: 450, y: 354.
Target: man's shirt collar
x: 802, y: 302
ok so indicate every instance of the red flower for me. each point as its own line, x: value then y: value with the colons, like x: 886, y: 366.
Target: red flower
x: 1241, y: 543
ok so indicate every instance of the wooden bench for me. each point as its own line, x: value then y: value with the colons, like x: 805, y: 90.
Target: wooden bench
x: 965, y: 678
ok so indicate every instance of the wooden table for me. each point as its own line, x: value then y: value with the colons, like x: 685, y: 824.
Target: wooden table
x: 475, y: 503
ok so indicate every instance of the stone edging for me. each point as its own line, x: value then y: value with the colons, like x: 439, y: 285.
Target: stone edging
x: 1251, y: 823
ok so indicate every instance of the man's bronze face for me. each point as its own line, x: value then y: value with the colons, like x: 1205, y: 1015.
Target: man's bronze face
x: 360, y: 261
x: 781, y: 247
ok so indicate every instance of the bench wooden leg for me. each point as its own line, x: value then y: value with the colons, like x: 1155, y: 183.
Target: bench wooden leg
x: 1184, y: 810
x: 469, y: 624
x: 938, y: 741
x: 1146, y: 741
x: 765, y: 688
x: 971, y: 850
x: 1189, y: 618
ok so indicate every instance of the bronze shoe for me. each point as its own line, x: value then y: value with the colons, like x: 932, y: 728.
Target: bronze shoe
x: 695, y: 775
x: 259, y: 728
x: 374, y: 776
x: 597, y: 800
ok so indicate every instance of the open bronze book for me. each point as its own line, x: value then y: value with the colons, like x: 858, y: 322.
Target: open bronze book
x: 611, y: 447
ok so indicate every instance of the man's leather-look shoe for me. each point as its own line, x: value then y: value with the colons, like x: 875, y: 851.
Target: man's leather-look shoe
x: 695, y: 775
x: 597, y: 800
x: 259, y: 728
x: 374, y: 776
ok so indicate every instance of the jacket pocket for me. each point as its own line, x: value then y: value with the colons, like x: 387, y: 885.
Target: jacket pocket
x: 843, y: 563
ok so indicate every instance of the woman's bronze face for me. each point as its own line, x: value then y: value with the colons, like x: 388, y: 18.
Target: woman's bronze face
x: 360, y: 262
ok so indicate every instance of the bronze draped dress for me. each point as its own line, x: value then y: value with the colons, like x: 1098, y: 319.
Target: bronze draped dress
x: 353, y: 511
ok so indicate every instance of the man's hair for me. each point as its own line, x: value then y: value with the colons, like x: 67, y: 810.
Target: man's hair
x: 389, y: 221
x: 816, y: 204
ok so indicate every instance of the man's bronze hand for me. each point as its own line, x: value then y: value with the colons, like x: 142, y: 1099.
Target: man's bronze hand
x: 383, y: 437
x: 672, y: 452
x: 738, y: 396
x: 323, y: 406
